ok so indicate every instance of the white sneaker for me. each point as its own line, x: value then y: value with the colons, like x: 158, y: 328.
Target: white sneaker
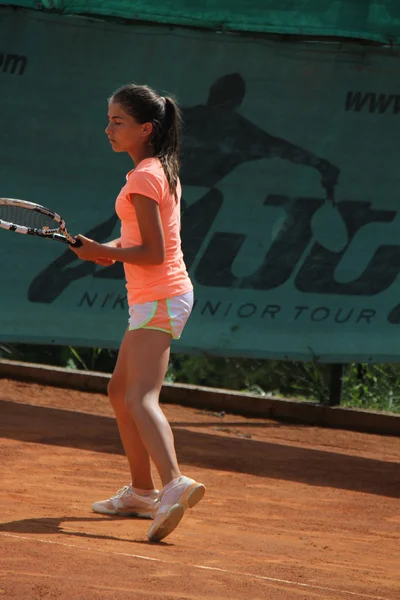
x: 128, y: 503
x: 175, y: 498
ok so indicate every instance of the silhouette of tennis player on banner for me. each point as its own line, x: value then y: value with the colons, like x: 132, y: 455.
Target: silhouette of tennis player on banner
x: 216, y: 140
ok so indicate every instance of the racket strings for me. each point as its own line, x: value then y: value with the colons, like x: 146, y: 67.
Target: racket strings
x: 24, y: 217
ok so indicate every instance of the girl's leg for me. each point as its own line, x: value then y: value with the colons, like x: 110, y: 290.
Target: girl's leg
x: 147, y: 355
x: 146, y: 352
x: 136, y: 453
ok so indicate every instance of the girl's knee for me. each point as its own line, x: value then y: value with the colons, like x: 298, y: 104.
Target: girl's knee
x: 138, y: 402
x: 133, y: 402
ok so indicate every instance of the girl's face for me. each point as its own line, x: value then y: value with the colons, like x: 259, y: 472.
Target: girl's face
x: 124, y: 132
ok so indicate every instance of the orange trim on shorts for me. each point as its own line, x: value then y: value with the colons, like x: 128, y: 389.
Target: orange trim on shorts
x: 168, y: 315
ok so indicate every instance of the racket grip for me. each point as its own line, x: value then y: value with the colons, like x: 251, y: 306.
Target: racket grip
x: 77, y: 244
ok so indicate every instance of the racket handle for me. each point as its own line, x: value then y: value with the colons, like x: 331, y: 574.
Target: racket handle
x: 61, y: 238
x: 77, y: 244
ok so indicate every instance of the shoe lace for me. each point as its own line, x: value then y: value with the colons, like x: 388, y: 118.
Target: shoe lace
x: 124, y: 491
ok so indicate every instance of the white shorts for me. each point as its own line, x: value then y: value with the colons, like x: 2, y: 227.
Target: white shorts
x: 169, y: 315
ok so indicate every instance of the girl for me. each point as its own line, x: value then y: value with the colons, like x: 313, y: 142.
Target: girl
x: 160, y: 297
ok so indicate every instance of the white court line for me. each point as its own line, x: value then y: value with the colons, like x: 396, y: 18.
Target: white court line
x: 236, y: 573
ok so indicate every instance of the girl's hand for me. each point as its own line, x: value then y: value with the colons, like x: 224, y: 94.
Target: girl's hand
x: 108, y: 262
x: 105, y: 262
x: 90, y: 250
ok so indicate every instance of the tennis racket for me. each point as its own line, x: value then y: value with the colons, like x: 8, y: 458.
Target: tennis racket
x: 33, y: 219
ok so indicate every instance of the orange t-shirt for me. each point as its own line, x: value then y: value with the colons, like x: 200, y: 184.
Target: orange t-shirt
x: 146, y: 283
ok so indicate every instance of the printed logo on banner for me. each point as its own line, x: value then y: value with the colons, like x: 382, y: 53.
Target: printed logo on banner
x: 13, y: 64
x: 218, y: 139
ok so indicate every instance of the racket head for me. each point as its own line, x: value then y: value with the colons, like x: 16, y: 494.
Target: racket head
x: 30, y: 218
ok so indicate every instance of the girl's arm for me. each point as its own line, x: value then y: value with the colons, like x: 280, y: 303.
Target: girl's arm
x: 114, y: 243
x: 150, y: 252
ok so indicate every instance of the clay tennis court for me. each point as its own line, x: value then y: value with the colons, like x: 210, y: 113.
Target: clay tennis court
x: 291, y: 511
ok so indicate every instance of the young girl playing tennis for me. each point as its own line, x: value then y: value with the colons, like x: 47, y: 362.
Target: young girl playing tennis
x: 160, y: 298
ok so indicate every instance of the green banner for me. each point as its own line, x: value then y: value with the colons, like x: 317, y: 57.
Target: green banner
x: 274, y: 135
x: 377, y: 20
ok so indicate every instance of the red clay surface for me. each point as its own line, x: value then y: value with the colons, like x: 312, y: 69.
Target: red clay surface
x: 291, y: 512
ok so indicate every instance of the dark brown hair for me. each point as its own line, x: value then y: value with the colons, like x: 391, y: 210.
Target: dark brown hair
x: 146, y: 106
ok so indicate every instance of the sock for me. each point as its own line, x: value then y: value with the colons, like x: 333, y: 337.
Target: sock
x: 174, y: 482
x: 145, y: 493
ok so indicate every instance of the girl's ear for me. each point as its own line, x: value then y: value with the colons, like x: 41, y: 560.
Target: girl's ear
x: 147, y: 129
x: 227, y: 92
